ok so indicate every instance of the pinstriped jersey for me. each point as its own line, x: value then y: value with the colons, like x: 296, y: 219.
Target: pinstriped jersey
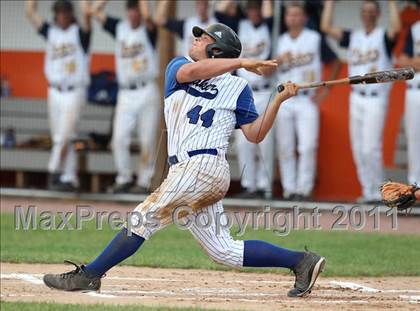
x: 203, y: 114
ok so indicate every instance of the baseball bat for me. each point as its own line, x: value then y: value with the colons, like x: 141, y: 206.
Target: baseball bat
x: 369, y: 78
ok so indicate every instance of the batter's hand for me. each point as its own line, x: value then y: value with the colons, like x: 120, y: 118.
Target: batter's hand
x: 290, y: 90
x: 258, y: 66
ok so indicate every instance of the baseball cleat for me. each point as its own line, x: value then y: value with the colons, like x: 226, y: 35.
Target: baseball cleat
x: 74, y: 280
x: 306, y: 273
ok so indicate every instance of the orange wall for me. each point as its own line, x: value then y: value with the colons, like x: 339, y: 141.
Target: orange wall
x: 25, y: 71
x: 336, y: 172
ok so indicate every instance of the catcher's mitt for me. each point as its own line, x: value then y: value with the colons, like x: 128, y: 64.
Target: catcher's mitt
x: 398, y: 195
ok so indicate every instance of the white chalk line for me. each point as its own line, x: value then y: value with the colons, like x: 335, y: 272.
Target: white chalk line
x: 411, y: 299
x: 36, y: 279
x: 366, y: 289
x: 31, y: 278
x: 100, y: 295
x: 355, y: 286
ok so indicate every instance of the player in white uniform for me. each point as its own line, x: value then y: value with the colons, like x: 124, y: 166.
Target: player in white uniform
x: 203, y: 105
x: 67, y: 71
x: 411, y: 58
x: 369, y: 49
x: 300, y: 54
x: 138, y: 95
x: 254, y: 31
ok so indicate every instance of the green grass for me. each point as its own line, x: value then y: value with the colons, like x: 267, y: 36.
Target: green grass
x: 347, y: 253
x: 30, y: 306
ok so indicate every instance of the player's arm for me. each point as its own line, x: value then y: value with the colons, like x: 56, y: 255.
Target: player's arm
x: 86, y: 9
x: 267, y: 8
x: 395, y: 21
x: 329, y: 57
x: 98, y: 11
x: 32, y: 14
x: 108, y: 23
x: 256, y: 131
x: 209, y: 68
x: 146, y: 16
x: 163, y: 20
x: 327, y: 21
x: 161, y: 16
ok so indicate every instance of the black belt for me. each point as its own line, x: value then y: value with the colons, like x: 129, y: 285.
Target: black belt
x: 133, y: 86
x: 363, y: 93
x: 174, y: 159
x: 263, y: 87
x: 63, y: 89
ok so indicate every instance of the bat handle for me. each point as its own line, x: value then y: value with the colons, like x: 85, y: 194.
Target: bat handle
x: 280, y: 88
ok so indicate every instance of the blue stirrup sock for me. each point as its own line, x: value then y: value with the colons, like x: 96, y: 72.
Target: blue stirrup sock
x: 262, y: 254
x: 120, y: 248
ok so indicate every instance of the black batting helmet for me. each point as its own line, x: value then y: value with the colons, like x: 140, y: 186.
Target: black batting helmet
x: 227, y: 43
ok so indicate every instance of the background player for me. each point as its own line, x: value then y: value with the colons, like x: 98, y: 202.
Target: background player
x: 254, y: 31
x: 369, y: 49
x: 411, y: 58
x: 138, y: 95
x: 301, y: 52
x: 203, y: 105
x: 67, y: 71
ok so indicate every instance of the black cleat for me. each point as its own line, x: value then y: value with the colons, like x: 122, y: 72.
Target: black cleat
x: 306, y: 273
x: 74, y: 280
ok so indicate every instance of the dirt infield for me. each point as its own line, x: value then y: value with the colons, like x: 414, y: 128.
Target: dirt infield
x: 214, y: 289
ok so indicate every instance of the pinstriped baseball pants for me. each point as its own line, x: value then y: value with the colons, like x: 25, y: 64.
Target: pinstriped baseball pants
x: 199, y: 184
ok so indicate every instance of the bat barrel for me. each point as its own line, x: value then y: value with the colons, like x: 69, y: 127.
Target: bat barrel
x: 384, y: 76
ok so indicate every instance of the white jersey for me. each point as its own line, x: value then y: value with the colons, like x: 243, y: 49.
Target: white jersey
x: 415, y: 35
x: 189, y: 23
x: 256, y: 44
x: 203, y: 114
x: 66, y: 63
x: 367, y: 53
x: 304, y: 64
x: 137, y: 60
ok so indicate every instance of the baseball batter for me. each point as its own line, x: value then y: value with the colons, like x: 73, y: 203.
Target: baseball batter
x: 411, y: 58
x: 369, y: 50
x: 204, y: 103
x: 66, y: 68
x: 138, y: 95
x: 301, y: 52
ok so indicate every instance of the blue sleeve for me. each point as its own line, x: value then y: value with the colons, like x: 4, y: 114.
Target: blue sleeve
x: 245, y: 108
x: 171, y: 85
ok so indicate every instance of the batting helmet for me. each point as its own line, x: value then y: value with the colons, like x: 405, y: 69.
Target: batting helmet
x: 227, y: 43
